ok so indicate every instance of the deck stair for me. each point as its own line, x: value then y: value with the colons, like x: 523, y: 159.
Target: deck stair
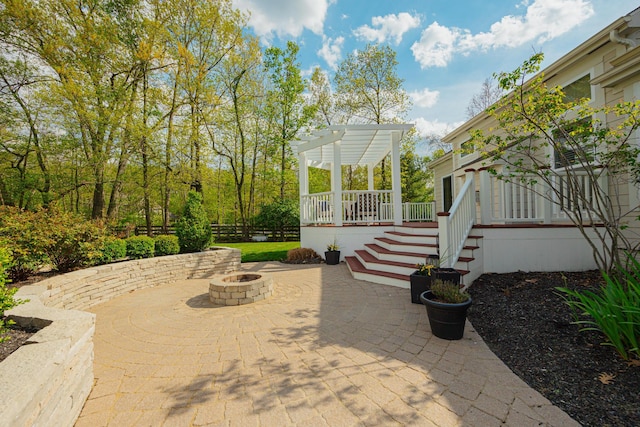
x: 390, y: 259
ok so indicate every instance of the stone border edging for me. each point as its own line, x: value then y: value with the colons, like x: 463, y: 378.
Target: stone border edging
x: 47, y: 381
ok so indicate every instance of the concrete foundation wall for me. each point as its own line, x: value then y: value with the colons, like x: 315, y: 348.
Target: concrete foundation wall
x: 349, y: 239
x: 507, y: 250
x: 46, y: 382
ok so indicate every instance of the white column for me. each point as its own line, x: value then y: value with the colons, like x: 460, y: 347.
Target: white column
x: 396, y: 184
x: 485, y: 197
x: 634, y: 187
x: 370, y: 184
x: 303, y: 179
x: 336, y: 183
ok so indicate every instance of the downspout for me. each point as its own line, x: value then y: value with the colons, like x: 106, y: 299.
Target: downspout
x: 616, y: 38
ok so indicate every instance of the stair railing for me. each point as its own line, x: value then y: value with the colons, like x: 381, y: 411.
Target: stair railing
x: 454, y: 226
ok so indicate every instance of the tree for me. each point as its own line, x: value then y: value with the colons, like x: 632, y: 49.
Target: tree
x: 559, y: 148
x: 488, y: 95
x: 369, y: 90
x: 368, y: 87
x: 193, y: 228
x: 417, y: 178
x: 321, y: 97
x: 286, y: 105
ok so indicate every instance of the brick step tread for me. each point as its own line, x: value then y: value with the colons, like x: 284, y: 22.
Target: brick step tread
x: 400, y: 233
x: 395, y: 242
x: 368, y: 257
x: 356, y: 266
x: 381, y: 250
x: 433, y: 224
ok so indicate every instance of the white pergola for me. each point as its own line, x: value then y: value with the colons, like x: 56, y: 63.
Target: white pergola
x: 355, y: 145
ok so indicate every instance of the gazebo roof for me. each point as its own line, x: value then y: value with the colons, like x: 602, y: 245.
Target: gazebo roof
x: 360, y: 144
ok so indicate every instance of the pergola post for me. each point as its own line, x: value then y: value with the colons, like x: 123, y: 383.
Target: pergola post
x: 336, y: 183
x: 370, y: 183
x: 396, y: 184
x: 303, y: 178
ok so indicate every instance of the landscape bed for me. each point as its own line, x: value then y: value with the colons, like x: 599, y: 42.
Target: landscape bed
x: 526, y: 323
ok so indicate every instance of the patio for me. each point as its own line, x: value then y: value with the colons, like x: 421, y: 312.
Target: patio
x: 325, y: 349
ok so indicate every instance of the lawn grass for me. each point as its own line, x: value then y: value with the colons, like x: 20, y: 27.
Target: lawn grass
x: 263, y: 251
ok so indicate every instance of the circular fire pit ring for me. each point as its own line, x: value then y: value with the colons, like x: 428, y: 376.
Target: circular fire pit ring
x: 240, y: 288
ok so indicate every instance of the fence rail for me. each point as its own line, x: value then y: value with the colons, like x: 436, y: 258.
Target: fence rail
x: 223, y: 233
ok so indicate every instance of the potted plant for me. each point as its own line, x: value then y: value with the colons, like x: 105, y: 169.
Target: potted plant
x: 421, y: 279
x: 332, y: 255
x: 447, y: 307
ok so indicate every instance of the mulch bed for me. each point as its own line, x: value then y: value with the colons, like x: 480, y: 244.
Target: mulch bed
x: 526, y: 323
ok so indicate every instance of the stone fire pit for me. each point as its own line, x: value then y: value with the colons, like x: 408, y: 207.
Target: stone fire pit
x: 240, y: 288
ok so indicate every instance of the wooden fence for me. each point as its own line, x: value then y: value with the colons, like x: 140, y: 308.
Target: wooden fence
x: 224, y: 233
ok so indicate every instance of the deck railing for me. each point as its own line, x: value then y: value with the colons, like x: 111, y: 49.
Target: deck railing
x: 528, y: 200
x: 454, y: 226
x: 360, y: 207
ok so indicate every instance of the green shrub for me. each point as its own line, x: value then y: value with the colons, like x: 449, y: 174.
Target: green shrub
x: 49, y: 236
x: 113, y: 249
x: 614, y: 310
x: 167, y: 245
x: 7, y: 300
x: 193, y: 229
x: 278, y: 215
x: 140, y: 247
x: 448, y: 292
x: 70, y: 241
x: 23, y: 231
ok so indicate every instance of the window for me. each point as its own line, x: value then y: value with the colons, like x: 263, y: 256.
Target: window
x: 466, y: 148
x: 577, y: 90
x: 572, y: 144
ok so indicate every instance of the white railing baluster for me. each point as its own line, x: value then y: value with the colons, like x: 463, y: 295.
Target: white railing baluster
x: 454, y: 226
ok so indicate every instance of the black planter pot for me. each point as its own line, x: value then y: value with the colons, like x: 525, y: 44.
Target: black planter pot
x: 332, y: 257
x: 420, y: 283
x: 446, y: 320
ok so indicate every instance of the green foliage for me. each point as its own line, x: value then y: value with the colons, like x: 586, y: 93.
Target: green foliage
x: 278, y: 215
x: 62, y: 239
x: 614, y: 310
x: 70, y: 241
x: 140, y: 247
x: 113, y: 249
x: 449, y: 292
x: 7, y: 300
x: 417, y: 178
x: 23, y: 231
x: 193, y: 229
x: 167, y: 244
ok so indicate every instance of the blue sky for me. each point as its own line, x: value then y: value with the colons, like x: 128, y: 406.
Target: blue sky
x: 445, y: 48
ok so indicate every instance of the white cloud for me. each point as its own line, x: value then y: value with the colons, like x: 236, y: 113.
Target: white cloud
x: 543, y: 21
x: 425, y: 98
x: 388, y: 27
x: 285, y: 17
x: 436, y: 46
x: 427, y: 128
x: 331, y: 51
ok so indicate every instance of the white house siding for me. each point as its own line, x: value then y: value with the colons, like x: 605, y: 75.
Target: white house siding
x: 441, y: 168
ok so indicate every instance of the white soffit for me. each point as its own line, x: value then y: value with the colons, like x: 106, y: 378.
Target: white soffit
x: 359, y: 144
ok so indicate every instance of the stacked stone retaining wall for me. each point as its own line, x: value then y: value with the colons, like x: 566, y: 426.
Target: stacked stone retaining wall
x: 47, y: 381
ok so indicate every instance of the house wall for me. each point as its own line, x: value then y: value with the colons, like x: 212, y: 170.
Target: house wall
x: 442, y: 168
x: 349, y: 239
x: 535, y: 249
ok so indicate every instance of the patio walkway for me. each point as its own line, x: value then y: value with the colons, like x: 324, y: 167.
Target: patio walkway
x: 324, y: 350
